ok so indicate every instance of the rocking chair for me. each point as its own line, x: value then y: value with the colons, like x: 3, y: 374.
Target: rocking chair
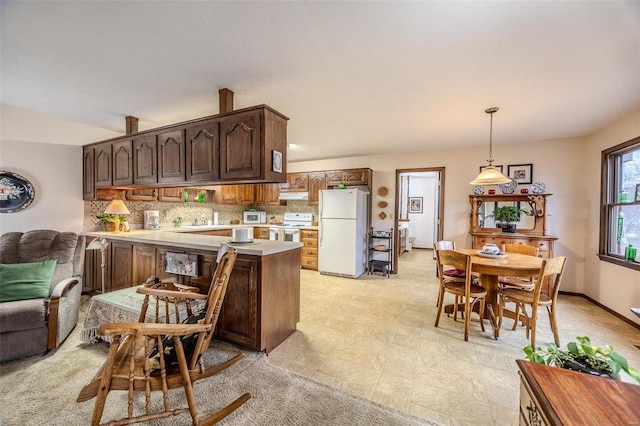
x: 147, y: 357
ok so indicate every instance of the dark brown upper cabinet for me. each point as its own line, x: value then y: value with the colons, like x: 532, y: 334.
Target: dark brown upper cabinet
x: 103, y: 165
x: 145, y: 160
x: 122, y: 163
x: 88, y: 176
x: 317, y: 182
x: 171, y: 152
x: 245, y: 146
x: 350, y: 177
x: 240, y: 151
x: 203, y: 152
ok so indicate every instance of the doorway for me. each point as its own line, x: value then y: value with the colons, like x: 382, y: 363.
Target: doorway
x: 419, y: 216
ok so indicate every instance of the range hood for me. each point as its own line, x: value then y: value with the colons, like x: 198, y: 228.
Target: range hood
x: 294, y: 196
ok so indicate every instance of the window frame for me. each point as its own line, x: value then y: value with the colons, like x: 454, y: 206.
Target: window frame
x: 608, y: 199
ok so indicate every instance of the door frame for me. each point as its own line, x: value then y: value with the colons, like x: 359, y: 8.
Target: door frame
x: 440, y: 214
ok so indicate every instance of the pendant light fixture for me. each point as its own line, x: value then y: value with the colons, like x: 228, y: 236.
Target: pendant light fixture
x: 490, y: 175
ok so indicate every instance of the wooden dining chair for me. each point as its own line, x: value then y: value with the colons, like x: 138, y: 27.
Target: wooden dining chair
x: 152, y: 358
x: 552, y: 269
x: 466, y: 291
x: 518, y: 282
x: 450, y: 274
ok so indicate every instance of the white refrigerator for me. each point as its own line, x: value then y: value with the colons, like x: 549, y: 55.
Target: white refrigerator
x: 342, y: 245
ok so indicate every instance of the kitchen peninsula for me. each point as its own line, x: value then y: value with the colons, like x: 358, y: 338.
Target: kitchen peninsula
x: 262, y: 304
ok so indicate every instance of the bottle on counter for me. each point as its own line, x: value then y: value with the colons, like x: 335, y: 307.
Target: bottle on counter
x: 630, y: 253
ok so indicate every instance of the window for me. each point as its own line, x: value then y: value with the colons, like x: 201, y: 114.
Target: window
x: 620, y: 214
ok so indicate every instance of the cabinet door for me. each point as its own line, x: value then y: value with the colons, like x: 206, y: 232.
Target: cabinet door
x: 246, y: 194
x: 203, y: 152
x: 88, y: 174
x: 241, y: 153
x: 144, y: 263
x: 296, y: 182
x: 317, y: 182
x: 103, y: 165
x: 122, y: 163
x: 267, y: 194
x: 238, y: 321
x: 235, y: 194
x: 145, y: 160
x: 348, y: 177
x: 142, y: 194
x: 171, y: 153
x: 174, y: 195
x: 260, y: 233
x: 121, y: 266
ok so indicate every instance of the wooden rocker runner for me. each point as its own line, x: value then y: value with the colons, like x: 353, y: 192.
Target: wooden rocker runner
x: 148, y: 357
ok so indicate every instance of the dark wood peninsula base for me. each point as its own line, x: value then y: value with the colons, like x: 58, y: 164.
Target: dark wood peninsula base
x: 262, y: 304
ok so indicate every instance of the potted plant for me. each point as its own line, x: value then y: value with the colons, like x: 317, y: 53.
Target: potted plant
x: 582, y: 356
x: 108, y: 220
x: 506, y: 217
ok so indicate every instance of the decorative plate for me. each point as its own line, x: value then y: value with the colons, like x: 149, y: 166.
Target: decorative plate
x: 383, y: 191
x: 16, y: 193
x: 478, y: 189
x: 538, y: 188
x: 509, y: 188
x: 383, y: 204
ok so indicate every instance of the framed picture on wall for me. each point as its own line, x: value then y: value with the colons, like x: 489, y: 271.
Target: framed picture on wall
x: 277, y: 161
x: 522, y: 173
x: 499, y: 168
x: 415, y: 204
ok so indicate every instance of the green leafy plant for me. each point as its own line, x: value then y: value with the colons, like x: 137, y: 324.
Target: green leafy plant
x: 508, y: 214
x: 110, y: 218
x: 584, y: 357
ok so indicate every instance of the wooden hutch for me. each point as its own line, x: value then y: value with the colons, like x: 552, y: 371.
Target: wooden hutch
x: 533, y: 232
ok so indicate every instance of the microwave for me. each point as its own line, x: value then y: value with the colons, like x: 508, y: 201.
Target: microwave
x: 255, y: 217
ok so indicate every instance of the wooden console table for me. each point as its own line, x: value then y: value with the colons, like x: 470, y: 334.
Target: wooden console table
x: 555, y: 396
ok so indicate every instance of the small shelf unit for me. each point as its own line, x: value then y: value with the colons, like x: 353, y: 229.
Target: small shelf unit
x: 380, y: 252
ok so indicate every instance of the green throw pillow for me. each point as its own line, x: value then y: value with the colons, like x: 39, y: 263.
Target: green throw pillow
x: 22, y: 281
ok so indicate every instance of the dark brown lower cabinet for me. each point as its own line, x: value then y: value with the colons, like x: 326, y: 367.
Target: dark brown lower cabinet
x: 121, y: 266
x: 262, y: 304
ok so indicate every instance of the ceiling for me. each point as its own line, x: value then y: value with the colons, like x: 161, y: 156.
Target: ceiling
x: 355, y: 78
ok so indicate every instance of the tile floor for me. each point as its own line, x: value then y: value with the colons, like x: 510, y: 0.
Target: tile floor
x: 374, y: 337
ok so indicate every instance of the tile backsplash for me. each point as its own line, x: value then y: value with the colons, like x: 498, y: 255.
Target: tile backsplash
x: 189, y: 212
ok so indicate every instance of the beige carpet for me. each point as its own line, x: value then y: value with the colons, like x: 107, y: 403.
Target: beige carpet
x: 43, y: 390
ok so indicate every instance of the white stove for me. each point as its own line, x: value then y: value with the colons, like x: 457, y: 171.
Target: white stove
x: 290, y: 228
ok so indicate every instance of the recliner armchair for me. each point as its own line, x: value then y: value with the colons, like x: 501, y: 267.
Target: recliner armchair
x: 34, y: 326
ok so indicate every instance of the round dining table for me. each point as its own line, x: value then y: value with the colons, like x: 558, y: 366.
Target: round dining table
x: 490, y: 268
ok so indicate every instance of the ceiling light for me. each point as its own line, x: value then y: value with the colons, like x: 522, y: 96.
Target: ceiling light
x: 490, y: 175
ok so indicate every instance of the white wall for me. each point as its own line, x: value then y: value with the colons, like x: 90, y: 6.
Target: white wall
x: 614, y: 286
x: 31, y: 145
x: 422, y: 225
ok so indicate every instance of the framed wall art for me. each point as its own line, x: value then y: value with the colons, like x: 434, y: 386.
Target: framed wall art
x: 522, y: 173
x: 499, y: 168
x: 277, y: 161
x: 415, y: 204
x: 182, y: 264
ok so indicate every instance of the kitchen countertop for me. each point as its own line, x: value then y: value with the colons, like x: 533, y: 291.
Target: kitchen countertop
x: 185, y: 238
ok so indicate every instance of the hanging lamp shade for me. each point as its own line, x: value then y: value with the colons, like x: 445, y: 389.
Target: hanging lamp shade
x: 490, y: 175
